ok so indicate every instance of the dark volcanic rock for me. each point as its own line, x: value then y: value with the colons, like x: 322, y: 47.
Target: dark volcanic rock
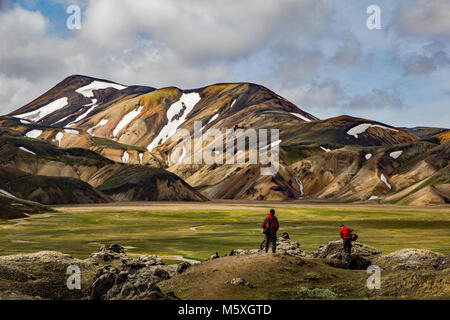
x: 8, y: 273
x: 361, y: 257
x: 284, y: 245
x: 442, y: 263
x: 182, y: 267
x: 109, y: 253
x: 353, y: 262
x: 102, y: 285
x: 412, y: 259
x: 133, y: 278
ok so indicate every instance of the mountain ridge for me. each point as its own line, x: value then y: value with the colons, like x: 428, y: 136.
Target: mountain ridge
x: 319, y: 159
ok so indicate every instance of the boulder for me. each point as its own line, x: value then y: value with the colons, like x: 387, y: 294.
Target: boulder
x: 134, y: 278
x: 442, y: 263
x: 214, y: 256
x: 102, y: 284
x: 237, y: 252
x: 284, y: 246
x: 361, y: 257
x: 412, y: 259
x: 9, y: 273
x: 41, y: 257
x: 239, y: 282
x: 182, y: 267
x: 109, y: 253
x: 287, y: 246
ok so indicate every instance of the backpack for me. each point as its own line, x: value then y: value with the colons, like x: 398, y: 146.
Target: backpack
x: 270, y: 225
x: 354, y: 237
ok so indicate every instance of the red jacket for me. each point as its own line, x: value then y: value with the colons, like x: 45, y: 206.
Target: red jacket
x: 271, y: 224
x: 346, y: 233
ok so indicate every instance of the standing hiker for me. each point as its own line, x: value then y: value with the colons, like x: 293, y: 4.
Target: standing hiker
x: 346, y: 236
x: 270, y: 228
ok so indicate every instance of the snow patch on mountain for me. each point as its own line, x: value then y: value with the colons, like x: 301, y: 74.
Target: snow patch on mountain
x: 364, y: 126
x: 141, y: 155
x: 101, y: 123
x: 183, y: 154
x: 44, y: 111
x: 187, y: 101
x: 6, y: 193
x: 368, y: 156
x: 71, y: 131
x: 214, y: 117
x: 25, y: 121
x: 33, y: 134
x: 26, y: 150
x: 325, y: 149
x: 373, y: 198
x: 63, y: 119
x: 395, y: 154
x: 85, y: 114
x: 383, y: 178
x: 298, y: 115
x: 125, y: 157
x: 87, y: 90
x: 59, y: 137
x: 127, y: 119
x: 272, y: 145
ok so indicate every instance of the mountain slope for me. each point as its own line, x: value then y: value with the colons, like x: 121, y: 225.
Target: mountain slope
x: 74, y: 98
x: 14, y: 208
x: 147, y: 184
x: 49, y: 190
x: 36, y: 170
x: 341, y: 159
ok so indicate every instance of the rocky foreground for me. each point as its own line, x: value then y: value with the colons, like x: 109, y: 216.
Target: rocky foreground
x: 111, y: 274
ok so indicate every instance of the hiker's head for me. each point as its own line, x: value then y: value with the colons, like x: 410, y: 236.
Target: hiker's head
x: 341, y: 226
x: 272, y: 212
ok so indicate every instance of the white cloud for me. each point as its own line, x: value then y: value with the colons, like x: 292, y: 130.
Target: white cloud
x: 299, y: 66
x: 424, y: 18
x: 349, y: 53
x: 187, y: 44
x: 434, y: 56
x: 327, y: 93
x: 376, y: 99
x: 290, y: 46
x: 203, y: 30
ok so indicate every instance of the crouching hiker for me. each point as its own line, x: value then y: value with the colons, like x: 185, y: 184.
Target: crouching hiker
x: 270, y: 228
x: 346, y: 236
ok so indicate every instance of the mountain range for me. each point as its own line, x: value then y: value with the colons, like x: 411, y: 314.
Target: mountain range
x: 90, y: 140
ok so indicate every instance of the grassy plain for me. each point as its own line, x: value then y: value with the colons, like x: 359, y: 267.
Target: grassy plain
x: 198, y: 230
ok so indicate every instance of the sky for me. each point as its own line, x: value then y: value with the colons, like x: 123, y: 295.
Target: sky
x: 318, y: 54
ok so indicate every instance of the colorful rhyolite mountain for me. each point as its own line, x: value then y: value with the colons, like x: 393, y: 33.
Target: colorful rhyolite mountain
x: 124, y: 142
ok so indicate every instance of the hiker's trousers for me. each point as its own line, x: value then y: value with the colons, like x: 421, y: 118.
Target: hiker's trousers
x: 347, y: 244
x: 271, y: 238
